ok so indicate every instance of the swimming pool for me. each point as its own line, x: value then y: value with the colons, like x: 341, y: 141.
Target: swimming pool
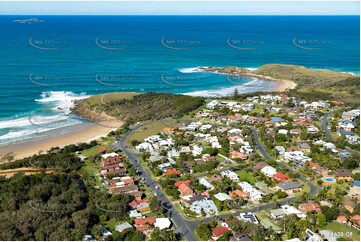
x: 329, y: 179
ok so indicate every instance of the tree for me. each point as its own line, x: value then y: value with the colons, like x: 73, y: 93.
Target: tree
x: 321, y: 220
x: 155, y: 205
x: 203, y: 231
x: 331, y: 213
x: 225, y: 236
x: 235, y: 94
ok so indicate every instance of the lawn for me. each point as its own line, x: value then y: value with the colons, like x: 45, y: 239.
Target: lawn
x: 108, y: 97
x: 267, y: 222
x: 337, y: 227
x: 148, y: 130
x: 244, y: 175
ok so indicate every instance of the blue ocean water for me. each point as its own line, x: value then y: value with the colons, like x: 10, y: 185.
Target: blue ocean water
x: 45, y: 65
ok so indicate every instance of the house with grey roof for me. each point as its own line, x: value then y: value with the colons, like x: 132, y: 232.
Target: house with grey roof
x: 121, y: 227
x: 289, y: 187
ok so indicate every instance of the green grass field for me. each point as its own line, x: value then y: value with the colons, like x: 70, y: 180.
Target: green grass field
x: 108, y: 97
x: 337, y: 227
x: 243, y: 174
x: 148, y: 130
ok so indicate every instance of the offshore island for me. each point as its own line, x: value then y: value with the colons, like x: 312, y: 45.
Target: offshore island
x: 173, y: 167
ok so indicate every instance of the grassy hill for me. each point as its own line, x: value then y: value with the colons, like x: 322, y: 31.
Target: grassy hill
x: 135, y: 107
x: 322, y: 84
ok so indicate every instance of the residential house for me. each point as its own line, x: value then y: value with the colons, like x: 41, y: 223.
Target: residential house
x: 206, y: 183
x: 230, y: 174
x: 238, y: 155
x: 258, y: 166
x: 205, y: 205
x: 185, y: 190
x: 280, y: 177
x: 269, y: 171
x: 292, y: 210
x: 304, y: 147
x: 141, y: 206
x: 349, y: 204
x: 238, y: 193
x: 162, y: 223
x: 289, y: 187
x: 310, y: 207
x: 218, y: 232
x: 248, y: 217
x: 144, y: 224
x: 121, y: 227
x: 277, y: 213
x: 312, y: 236
x: 170, y: 171
x: 343, y: 174
x: 222, y: 197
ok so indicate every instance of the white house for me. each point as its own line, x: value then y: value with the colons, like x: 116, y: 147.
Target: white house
x: 144, y: 147
x: 230, y: 174
x: 269, y: 171
x: 206, y: 183
x: 212, y: 104
x: 162, y: 223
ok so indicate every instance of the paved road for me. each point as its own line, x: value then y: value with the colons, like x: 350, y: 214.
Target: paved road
x: 186, y: 229
x: 267, y: 157
x: 324, y: 124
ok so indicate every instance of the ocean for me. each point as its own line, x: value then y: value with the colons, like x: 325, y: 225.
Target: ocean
x: 46, y: 65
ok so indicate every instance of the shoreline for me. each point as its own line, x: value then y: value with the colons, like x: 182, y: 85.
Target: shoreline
x: 85, y: 134
x: 282, y: 85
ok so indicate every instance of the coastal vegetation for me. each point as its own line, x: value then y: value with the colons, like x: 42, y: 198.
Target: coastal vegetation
x: 142, y: 107
x: 311, y: 84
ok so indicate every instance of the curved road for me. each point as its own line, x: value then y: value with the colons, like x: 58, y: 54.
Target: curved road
x: 324, y: 124
x: 186, y: 227
x: 313, y: 188
x: 182, y: 224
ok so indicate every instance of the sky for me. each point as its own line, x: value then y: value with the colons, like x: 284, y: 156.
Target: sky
x: 180, y: 8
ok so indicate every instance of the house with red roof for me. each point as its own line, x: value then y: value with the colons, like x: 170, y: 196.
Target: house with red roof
x: 178, y: 183
x: 238, y: 193
x: 310, y: 207
x: 238, y: 155
x: 144, y: 224
x: 102, y: 150
x: 342, y: 219
x: 185, y: 190
x: 169, y: 172
x: 280, y: 177
x: 218, y: 232
x: 141, y: 205
x: 355, y: 221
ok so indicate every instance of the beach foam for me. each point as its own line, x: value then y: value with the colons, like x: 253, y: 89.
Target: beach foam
x: 190, y: 70
x: 54, y: 114
x: 252, y: 86
x: 62, y: 100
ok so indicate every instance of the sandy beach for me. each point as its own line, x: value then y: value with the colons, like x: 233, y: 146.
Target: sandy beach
x: 92, y: 132
x: 284, y: 85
